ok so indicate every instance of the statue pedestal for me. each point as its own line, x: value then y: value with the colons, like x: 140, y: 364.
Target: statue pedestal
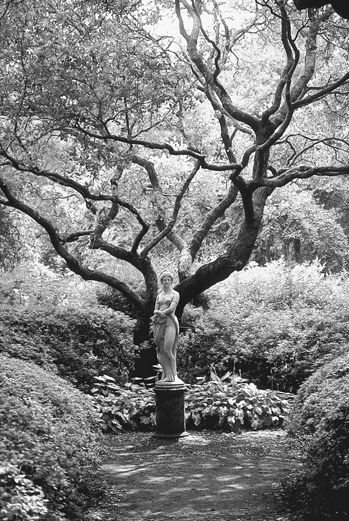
x: 170, y: 415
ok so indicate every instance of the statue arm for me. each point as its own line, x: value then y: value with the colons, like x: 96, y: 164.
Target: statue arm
x: 172, y: 307
x: 157, y: 312
x: 157, y: 305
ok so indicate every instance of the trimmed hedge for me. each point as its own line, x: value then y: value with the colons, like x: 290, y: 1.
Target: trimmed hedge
x: 78, y: 344
x: 49, y: 445
x: 321, y: 421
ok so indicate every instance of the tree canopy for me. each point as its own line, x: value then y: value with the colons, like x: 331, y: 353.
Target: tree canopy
x: 154, y: 133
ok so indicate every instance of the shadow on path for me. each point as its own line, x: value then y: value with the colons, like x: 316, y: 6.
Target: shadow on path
x: 205, y: 476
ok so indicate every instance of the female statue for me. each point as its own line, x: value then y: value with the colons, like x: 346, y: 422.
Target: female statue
x: 166, y: 328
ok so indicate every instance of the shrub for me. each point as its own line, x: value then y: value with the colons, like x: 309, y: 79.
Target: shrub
x: 319, y: 395
x: 276, y: 325
x: 34, y: 284
x: 231, y: 405
x: 275, y: 349
x: 78, y: 344
x: 49, y: 445
x: 321, y: 421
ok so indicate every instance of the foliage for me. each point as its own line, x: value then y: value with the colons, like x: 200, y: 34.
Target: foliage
x: 9, y: 240
x: 298, y: 228
x: 49, y: 445
x: 33, y: 284
x: 122, y: 132
x: 276, y: 325
x: 129, y: 407
x: 115, y: 300
x: 314, y: 402
x: 77, y: 343
x: 233, y: 407
x: 224, y: 404
x: 321, y: 421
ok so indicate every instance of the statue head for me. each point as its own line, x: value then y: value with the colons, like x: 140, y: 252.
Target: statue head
x: 166, y: 274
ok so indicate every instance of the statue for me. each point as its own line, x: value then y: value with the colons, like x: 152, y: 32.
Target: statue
x: 166, y: 329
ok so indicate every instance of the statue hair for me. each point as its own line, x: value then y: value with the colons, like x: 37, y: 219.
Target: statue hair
x: 166, y: 274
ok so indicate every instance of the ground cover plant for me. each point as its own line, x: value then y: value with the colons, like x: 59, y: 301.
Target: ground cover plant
x: 50, y: 445
x: 228, y: 404
x: 320, y: 421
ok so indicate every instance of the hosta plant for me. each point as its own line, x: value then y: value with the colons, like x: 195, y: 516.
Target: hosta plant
x: 231, y: 406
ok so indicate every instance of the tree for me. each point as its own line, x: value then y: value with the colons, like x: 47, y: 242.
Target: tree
x: 112, y: 121
x: 299, y: 229
x: 340, y: 7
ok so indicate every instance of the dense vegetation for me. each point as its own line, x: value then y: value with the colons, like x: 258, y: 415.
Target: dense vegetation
x: 76, y: 344
x: 226, y: 404
x: 273, y: 326
x: 168, y: 134
x: 49, y: 445
x: 321, y: 421
x: 196, y: 136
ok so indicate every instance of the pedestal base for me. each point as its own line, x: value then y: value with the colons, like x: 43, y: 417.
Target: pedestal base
x: 170, y: 413
x: 170, y: 436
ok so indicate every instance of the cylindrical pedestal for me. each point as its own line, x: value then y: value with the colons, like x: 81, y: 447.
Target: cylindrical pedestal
x: 170, y: 414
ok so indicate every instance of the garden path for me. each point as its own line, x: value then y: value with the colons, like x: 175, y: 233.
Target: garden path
x: 207, y: 476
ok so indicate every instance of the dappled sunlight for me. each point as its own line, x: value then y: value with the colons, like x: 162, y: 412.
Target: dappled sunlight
x: 226, y: 478
x: 172, y: 479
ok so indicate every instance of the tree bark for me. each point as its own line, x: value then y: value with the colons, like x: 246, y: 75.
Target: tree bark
x: 234, y: 258
x: 141, y: 331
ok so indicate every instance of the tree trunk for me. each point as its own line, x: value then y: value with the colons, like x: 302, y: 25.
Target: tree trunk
x: 297, y: 250
x: 234, y: 259
x: 141, y: 331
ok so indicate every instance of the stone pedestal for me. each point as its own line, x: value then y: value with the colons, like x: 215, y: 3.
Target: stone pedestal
x: 170, y: 414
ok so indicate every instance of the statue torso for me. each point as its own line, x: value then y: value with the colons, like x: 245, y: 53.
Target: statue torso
x: 165, y: 299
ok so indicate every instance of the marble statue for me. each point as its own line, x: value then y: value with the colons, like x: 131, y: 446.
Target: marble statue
x: 166, y: 329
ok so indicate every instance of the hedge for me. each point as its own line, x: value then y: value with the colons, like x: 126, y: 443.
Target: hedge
x: 320, y: 420
x: 49, y: 448
x: 77, y: 344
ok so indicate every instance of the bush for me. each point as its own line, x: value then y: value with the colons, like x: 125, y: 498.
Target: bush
x: 319, y: 396
x: 321, y: 421
x: 78, y: 344
x: 276, y: 325
x: 275, y: 349
x: 49, y: 445
x: 231, y: 406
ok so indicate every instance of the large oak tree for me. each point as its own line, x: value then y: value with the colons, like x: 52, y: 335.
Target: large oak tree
x: 115, y: 115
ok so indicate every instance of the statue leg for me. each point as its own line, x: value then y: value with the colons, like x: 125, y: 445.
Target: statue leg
x: 169, y: 359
